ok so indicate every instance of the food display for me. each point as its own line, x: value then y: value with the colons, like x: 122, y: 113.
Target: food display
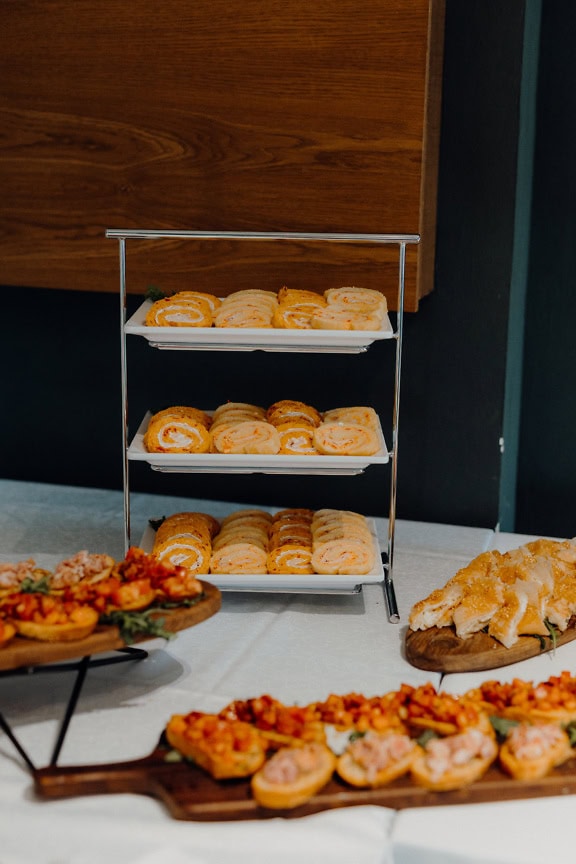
x: 440, y: 741
x: 287, y: 426
x: 412, y: 747
x: 292, y: 541
x: 507, y: 605
x: 90, y: 595
x: 347, y: 308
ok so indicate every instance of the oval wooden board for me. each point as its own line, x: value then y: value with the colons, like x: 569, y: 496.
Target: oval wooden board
x: 22, y: 652
x: 438, y: 649
x: 190, y: 793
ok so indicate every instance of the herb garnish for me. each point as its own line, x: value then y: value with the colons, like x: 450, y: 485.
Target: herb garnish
x: 35, y: 586
x: 135, y: 624
x: 502, y: 726
x: 154, y: 293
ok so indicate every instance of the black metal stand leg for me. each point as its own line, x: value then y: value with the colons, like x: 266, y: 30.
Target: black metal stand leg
x: 81, y: 668
x: 8, y: 731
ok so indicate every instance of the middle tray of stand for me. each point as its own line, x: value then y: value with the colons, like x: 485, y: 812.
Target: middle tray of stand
x: 244, y: 463
x: 290, y: 583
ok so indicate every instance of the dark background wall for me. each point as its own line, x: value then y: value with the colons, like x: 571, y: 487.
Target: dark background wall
x: 60, y: 349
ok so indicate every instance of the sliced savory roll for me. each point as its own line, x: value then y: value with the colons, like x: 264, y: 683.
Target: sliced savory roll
x: 360, y: 415
x: 357, y: 299
x: 336, y: 318
x: 293, y: 411
x: 346, y: 439
x: 176, y: 433
x: 375, y: 759
x: 246, y: 409
x: 290, y: 558
x: 177, y: 311
x: 182, y: 551
x: 248, y: 436
x: 297, y: 439
x: 297, y: 296
x: 293, y: 775
x: 531, y: 751
x: 238, y: 558
x: 454, y: 761
x: 224, y: 748
x: 195, y: 414
x: 213, y: 301
x: 295, y: 316
x: 346, y: 556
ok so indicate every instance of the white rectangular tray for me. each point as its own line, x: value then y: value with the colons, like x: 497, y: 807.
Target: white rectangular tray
x: 254, y: 338
x: 242, y: 463
x: 313, y: 583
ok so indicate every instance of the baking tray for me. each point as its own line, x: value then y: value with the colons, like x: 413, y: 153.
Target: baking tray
x: 254, y: 338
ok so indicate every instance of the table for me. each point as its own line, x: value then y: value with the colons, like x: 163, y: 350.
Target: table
x: 296, y: 647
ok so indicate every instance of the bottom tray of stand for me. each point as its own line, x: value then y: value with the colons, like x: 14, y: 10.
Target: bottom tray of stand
x: 312, y: 583
x: 189, y: 793
x: 22, y: 652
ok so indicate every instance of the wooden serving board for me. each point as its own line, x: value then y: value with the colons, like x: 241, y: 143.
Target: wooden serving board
x: 439, y: 649
x: 189, y: 793
x: 31, y: 652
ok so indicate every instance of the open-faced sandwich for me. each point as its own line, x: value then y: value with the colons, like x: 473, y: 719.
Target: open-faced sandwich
x: 293, y: 775
x: 224, y: 748
x: 376, y: 758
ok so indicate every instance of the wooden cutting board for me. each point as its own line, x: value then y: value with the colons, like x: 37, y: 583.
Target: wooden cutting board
x: 439, y: 649
x: 31, y: 652
x: 189, y: 793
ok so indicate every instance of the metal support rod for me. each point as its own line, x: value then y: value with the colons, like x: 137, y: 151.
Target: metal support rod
x: 124, y: 394
x: 389, y: 593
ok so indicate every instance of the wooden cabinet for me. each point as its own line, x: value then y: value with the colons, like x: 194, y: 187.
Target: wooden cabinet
x: 261, y: 116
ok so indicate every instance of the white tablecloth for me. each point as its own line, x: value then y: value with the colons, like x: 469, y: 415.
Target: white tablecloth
x: 295, y: 647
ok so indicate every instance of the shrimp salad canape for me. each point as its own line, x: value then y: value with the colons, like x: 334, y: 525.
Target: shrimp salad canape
x: 293, y: 775
x: 454, y: 761
x: 375, y: 759
x: 531, y: 751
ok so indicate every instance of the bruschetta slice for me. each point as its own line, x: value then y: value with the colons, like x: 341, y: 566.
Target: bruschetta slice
x: 531, y: 751
x: 376, y: 759
x: 223, y: 748
x: 51, y: 619
x: 293, y: 775
x: 454, y: 761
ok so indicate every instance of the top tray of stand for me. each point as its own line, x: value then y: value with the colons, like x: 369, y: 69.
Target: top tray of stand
x: 254, y: 338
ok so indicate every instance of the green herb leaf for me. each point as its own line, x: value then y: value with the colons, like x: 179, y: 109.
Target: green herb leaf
x: 553, y: 633
x: 426, y: 736
x: 154, y: 293
x: 570, y: 730
x: 502, y: 726
x: 35, y: 586
x: 136, y: 624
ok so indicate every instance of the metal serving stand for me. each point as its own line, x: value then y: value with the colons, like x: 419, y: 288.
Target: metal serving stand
x: 302, y: 341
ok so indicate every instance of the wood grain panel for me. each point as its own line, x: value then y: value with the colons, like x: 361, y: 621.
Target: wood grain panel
x: 217, y: 115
